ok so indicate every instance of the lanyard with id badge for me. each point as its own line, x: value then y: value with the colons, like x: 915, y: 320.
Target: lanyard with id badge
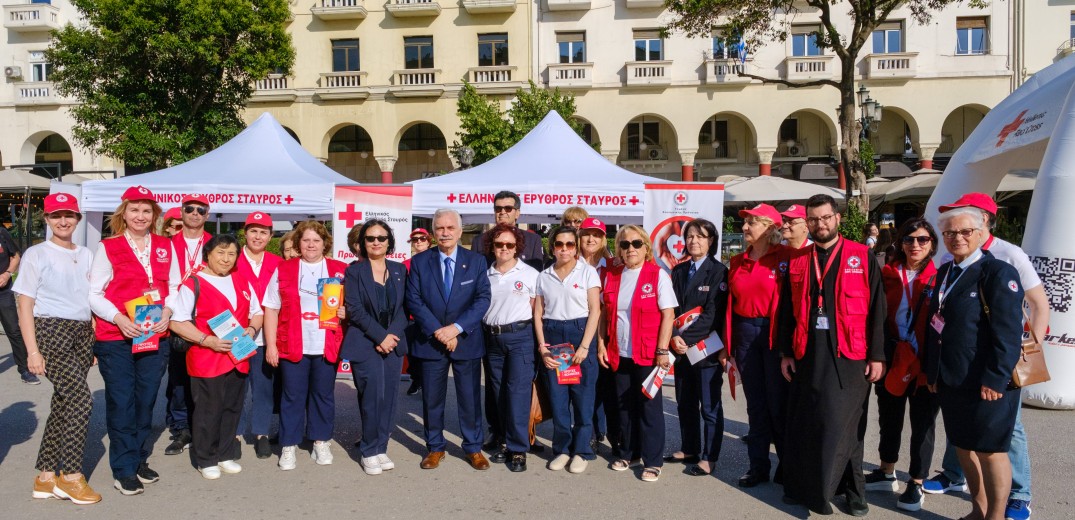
x: 151, y: 292
x: 937, y: 321
x: 821, y: 320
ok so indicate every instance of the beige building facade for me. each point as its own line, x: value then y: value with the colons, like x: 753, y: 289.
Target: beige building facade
x: 374, y: 88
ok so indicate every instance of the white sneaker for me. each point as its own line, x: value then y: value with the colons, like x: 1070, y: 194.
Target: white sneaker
x: 321, y: 454
x: 385, y: 462
x: 558, y: 463
x: 230, y: 466
x: 287, y: 458
x: 210, y: 473
x: 371, y: 465
x: 578, y: 464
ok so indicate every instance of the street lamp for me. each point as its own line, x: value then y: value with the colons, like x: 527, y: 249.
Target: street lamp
x: 869, y: 109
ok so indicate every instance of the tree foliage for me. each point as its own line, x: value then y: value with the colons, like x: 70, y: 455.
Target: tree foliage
x: 163, y: 81
x: 489, y: 130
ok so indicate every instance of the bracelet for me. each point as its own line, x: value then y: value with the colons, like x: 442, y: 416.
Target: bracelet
x: 32, y: 353
x: 202, y: 341
x: 662, y: 352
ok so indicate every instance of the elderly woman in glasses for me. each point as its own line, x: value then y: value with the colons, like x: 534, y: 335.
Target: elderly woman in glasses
x: 972, y: 345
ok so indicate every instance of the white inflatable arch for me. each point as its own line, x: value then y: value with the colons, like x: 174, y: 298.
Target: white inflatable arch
x: 1034, y: 129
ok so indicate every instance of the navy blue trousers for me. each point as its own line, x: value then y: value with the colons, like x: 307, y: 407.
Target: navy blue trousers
x: 509, y: 376
x: 377, y: 382
x: 701, y: 413
x: 764, y: 387
x: 260, y: 386
x: 177, y: 391
x: 131, y: 384
x: 308, y: 403
x: 468, y: 395
x: 641, y: 418
x: 572, y: 405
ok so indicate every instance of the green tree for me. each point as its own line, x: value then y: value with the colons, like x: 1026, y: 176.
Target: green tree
x: 763, y: 21
x: 163, y: 81
x: 489, y: 130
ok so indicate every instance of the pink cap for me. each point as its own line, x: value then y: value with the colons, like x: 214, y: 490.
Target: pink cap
x: 173, y: 213
x: 593, y: 223
x: 795, y: 211
x: 762, y: 210
x: 200, y: 199
x: 259, y: 218
x: 973, y: 200
x: 137, y: 193
x: 61, y: 202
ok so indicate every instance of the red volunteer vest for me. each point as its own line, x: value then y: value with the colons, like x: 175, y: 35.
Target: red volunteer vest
x: 183, y: 256
x: 852, y: 297
x: 894, y: 292
x: 645, y: 314
x: 203, y: 361
x: 289, y: 330
x: 736, y: 263
x: 269, y: 263
x: 129, y: 279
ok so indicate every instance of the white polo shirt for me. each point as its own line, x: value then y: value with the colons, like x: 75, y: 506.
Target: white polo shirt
x: 511, y: 293
x: 666, y: 299
x: 1013, y: 255
x: 566, y: 299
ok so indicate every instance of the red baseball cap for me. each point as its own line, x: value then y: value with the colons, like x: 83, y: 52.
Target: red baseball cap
x: 762, y: 210
x: 137, y: 193
x: 172, y: 213
x: 795, y: 211
x: 593, y: 223
x: 419, y: 231
x: 61, y: 202
x: 200, y: 199
x: 259, y: 218
x: 973, y: 200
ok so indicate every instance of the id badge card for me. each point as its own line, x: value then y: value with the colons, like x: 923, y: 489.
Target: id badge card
x: 822, y: 322
x: 153, y: 294
x: 937, y: 322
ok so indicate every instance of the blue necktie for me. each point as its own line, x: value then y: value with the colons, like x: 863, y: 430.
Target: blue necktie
x: 447, y: 278
x: 691, y: 271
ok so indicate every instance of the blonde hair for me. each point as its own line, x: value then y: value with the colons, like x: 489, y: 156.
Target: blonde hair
x: 574, y: 213
x: 117, y: 222
x: 642, y: 233
x: 316, y: 227
x: 774, y: 230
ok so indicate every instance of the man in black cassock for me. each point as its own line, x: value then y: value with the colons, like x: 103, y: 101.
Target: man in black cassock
x: 829, y: 389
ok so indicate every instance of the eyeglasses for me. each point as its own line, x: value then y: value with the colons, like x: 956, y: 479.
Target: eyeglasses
x: 420, y: 238
x: 563, y: 245
x: 504, y: 245
x: 920, y: 239
x: 627, y: 244
x: 813, y: 221
x: 202, y: 210
x: 965, y: 233
x: 504, y: 209
x: 379, y: 238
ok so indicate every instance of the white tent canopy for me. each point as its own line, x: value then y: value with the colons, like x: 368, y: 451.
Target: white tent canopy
x: 551, y: 169
x: 263, y: 168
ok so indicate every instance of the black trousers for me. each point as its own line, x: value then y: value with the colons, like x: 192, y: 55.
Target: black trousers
x: 9, y: 319
x: 218, y: 403
x: 641, y: 418
x: 924, y: 407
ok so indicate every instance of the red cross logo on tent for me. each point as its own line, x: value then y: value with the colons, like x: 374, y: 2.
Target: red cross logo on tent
x: 288, y: 199
x: 350, y: 216
x: 633, y: 200
x: 1009, y: 128
x: 451, y: 198
x: 680, y: 198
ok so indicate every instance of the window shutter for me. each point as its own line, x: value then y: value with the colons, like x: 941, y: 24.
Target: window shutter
x: 566, y: 37
x: 647, y: 34
x: 976, y: 22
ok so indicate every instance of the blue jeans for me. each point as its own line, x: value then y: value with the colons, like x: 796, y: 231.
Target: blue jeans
x: 572, y: 405
x: 131, y: 384
x: 259, y: 409
x: 509, y: 376
x: 1017, y: 453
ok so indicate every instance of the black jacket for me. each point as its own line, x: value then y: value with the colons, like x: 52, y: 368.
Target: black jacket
x: 363, y: 308
x: 708, y: 289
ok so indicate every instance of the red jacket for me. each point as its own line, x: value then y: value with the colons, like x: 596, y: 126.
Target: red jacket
x: 182, y: 255
x: 289, y: 329
x: 894, y: 292
x: 269, y: 263
x: 129, y: 279
x: 203, y: 361
x: 852, y: 297
x: 781, y: 253
x: 645, y: 314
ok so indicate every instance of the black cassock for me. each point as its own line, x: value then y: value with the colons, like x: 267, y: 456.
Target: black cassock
x: 828, y: 394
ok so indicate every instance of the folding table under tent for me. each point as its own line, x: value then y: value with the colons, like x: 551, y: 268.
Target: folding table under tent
x: 551, y: 169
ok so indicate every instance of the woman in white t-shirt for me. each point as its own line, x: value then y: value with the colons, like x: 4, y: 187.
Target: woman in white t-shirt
x: 54, y: 315
x: 639, y: 307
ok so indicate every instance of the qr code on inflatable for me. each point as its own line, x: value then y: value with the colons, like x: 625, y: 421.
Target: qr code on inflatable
x: 1058, y: 277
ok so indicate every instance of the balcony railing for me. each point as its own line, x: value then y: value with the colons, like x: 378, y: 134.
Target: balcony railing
x: 32, y: 17
x: 644, y: 4
x: 496, y: 74
x: 571, y: 75
x: 649, y: 73
x: 569, y: 5
x: 893, y: 65
x: 413, y: 8
x: 489, y: 6
x: 722, y: 150
x: 35, y: 93
x: 349, y: 84
x: 275, y: 87
x: 809, y: 67
x: 417, y: 83
x: 1065, y: 48
x: 725, y: 71
x: 340, y: 10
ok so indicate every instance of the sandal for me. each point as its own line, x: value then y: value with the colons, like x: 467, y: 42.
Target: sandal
x: 651, y: 474
x: 696, y: 471
x: 620, y: 465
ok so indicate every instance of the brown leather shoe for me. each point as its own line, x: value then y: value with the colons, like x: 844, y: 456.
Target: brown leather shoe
x: 477, y: 461
x: 432, y: 460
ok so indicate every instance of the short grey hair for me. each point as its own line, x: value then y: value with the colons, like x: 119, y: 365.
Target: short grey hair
x: 974, y: 213
x: 447, y: 211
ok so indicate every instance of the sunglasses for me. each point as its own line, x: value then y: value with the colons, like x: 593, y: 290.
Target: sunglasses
x: 420, y: 238
x: 504, y: 209
x: 504, y: 245
x: 563, y: 245
x: 176, y: 227
x: 921, y: 240
x: 202, y: 210
x: 627, y: 244
x: 379, y: 238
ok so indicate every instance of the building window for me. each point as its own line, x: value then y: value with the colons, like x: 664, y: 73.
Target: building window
x: 422, y: 136
x: 492, y: 49
x: 888, y: 38
x: 572, y: 47
x: 804, y: 41
x: 418, y: 52
x: 972, y: 35
x: 728, y: 45
x: 344, y: 55
x: 1072, y: 36
x: 648, y: 132
x: 789, y: 130
x: 40, y: 70
x: 648, y: 45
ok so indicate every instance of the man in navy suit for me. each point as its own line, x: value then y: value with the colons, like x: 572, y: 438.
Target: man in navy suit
x: 448, y: 294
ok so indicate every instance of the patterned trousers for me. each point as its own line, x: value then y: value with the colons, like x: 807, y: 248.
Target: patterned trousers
x: 67, y: 346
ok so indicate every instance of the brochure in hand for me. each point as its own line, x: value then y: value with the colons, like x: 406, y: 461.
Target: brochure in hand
x: 227, y: 328
x: 653, y: 383
x: 704, y: 348
x: 329, y: 299
x: 145, y: 317
x: 566, y: 373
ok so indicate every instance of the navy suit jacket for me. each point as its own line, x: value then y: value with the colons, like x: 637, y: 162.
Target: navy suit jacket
x: 708, y: 289
x: 360, y: 300
x: 467, y: 304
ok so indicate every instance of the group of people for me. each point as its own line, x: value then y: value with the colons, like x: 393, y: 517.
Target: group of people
x: 805, y: 319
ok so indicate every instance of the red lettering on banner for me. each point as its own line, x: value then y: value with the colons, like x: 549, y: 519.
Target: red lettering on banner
x: 350, y: 216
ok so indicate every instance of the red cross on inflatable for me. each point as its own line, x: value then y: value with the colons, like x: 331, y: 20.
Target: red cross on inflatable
x: 350, y: 216
x: 1009, y: 128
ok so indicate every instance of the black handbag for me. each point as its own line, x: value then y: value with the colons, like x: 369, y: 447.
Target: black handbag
x: 179, y: 344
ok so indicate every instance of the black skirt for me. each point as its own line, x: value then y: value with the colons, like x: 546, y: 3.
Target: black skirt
x: 974, y: 424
